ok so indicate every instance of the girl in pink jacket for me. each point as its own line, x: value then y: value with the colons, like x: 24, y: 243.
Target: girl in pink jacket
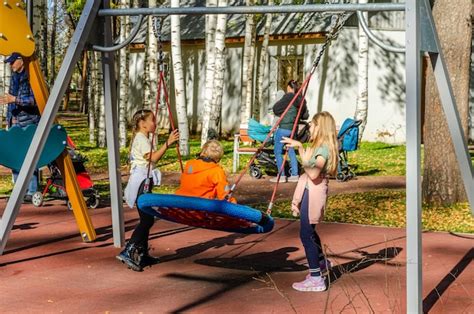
x: 319, y: 160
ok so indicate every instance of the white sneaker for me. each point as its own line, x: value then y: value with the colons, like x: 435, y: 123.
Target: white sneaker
x: 275, y: 179
x: 293, y: 179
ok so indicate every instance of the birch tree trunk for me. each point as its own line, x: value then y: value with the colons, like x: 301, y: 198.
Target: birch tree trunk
x: 179, y: 90
x: 53, y: 42
x: 262, y: 68
x: 92, y: 86
x: 442, y: 182
x: 42, y: 40
x: 123, y: 77
x: 362, y: 106
x: 150, y: 64
x: 220, y: 66
x: 100, y: 109
x: 211, y: 21
x: 247, y: 66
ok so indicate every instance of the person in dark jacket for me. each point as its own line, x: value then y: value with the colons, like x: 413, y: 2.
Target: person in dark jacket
x: 285, y: 127
x: 22, y: 109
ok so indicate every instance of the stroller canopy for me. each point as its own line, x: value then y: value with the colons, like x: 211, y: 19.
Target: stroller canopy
x: 258, y: 131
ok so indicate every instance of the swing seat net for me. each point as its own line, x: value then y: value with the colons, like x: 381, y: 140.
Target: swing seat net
x: 205, y: 213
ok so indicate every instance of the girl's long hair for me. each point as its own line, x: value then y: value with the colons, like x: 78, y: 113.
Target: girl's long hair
x: 326, y: 135
x: 140, y: 115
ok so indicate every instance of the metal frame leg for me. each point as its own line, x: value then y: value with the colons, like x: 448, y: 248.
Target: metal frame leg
x: 111, y: 124
x: 73, y: 54
x: 413, y: 156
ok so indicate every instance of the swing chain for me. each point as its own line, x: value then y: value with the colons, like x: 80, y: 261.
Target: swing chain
x: 337, y: 23
x: 157, y: 27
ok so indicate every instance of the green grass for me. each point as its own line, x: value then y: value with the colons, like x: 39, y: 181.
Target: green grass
x: 386, y: 208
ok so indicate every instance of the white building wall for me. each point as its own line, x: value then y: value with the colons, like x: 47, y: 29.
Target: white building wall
x: 338, y: 91
x: 333, y: 86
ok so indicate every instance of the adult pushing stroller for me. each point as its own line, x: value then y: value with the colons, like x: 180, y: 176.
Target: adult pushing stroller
x: 265, y: 160
x: 348, y: 138
x: 55, y: 188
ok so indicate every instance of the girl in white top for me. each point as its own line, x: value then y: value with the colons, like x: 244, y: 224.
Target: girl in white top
x: 142, y: 154
x: 140, y: 148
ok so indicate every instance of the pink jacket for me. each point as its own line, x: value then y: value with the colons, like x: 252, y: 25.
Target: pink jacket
x: 318, y: 192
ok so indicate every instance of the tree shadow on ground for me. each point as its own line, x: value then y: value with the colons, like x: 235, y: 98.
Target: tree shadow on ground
x: 444, y: 284
x: 274, y: 261
x: 277, y: 261
x: 104, y: 234
x: 369, y: 172
x: 368, y: 259
x: 202, y: 247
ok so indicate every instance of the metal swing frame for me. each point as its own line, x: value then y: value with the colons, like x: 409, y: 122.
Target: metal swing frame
x: 421, y: 37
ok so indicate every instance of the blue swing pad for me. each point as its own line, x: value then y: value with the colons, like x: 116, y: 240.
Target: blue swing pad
x: 16, y: 141
x: 205, y: 213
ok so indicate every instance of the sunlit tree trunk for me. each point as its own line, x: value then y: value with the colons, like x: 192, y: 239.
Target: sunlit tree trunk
x: 100, y: 109
x: 53, y: 41
x: 123, y: 77
x: 179, y: 89
x: 220, y: 67
x: 263, y: 64
x: 362, y: 106
x: 442, y: 182
x: 211, y: 21
x: 150, y: 64
x: 92, y: 86
x: 247, y: 66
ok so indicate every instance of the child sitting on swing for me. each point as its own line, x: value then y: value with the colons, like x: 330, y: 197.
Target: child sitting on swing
x: 143, y: 156
x: 204, y: 177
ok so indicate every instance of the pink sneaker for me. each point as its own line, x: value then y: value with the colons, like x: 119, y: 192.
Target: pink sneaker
x: 310, y: 284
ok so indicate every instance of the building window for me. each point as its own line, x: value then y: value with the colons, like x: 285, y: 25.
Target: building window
x: 290, y: 68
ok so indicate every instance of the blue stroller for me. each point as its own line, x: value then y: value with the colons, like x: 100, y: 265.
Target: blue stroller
x: 348, y: 138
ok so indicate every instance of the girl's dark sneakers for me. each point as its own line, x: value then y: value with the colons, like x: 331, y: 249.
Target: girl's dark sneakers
x: 131, y: 257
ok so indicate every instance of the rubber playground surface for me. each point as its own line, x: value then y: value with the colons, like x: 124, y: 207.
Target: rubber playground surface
x: 46, y: 268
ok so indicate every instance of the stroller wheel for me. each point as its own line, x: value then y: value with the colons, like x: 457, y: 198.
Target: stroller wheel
x: 255, y: 172
x: 351, y: 175
x: 69, y: 204
x: 341, y: 177
x: 93, y: 201
x: 37, y: 199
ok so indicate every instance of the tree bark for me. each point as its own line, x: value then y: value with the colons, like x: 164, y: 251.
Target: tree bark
x: 179, y: 90
x: 92, y: 86
x: 220, y: 66
x: 53, y: 43
x: 123, y: 77
x: 100, y: 104
x: 442, y: 183
x: 247, y: 66
x: 262, y: 68
x: 362, y: 107
x: 211, y: 21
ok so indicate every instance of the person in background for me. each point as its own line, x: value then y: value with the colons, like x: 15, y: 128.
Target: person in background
x: 284, y: 130
x: 22, y: 108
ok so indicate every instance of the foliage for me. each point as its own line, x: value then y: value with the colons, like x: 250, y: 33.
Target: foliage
x: 386, y: 208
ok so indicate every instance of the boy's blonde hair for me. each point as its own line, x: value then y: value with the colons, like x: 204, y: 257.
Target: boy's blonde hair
x: 213, y: 150
x: 326, y: 135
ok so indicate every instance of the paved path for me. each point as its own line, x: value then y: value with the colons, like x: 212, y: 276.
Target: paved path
x: 46, y: 268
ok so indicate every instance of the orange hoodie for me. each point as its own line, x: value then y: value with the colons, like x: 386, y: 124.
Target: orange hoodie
x: 204, y: 179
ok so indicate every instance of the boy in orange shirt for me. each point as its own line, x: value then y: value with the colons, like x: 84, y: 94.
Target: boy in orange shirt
x: 204, y: 177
